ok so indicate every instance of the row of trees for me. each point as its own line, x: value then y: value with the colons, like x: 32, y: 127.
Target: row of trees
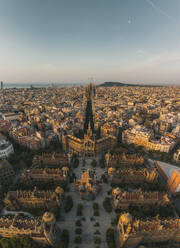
x: 18, y: 242
x: 101, y: 163
x: 151, y: 211
x: 110, y: 238
x: 68, y: 204
x: 64, y: 242
x: 30, y: 184
x: 107, y: 205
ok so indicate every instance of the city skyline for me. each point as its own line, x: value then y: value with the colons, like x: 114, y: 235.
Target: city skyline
x: 72, y: 41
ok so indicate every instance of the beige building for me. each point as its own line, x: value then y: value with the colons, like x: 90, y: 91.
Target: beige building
x: 124, y: 199
x: 16, y: 200
x: 51, y: 159
x: 176, y: 156
x: 133, y: 232
x: 171, y: 176
x: 45, y: 175
x: 40, y: 230
x: 131, y: 175
x: 88, y: 146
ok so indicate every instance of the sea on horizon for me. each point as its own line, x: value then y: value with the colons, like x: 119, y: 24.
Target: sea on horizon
x: 38, y: 85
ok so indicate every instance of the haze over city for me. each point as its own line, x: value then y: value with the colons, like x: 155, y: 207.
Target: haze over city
x: 89, y: 124
x: 70, y: 41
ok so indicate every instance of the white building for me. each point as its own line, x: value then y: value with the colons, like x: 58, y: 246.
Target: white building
x: 177, y: 156
x: 11, y: 116
x: 6, y: 148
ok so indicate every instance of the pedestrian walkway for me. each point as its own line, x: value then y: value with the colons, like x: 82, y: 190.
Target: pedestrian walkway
x: 88, y: 228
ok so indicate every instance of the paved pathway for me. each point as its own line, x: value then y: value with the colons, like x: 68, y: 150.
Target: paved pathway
x: 104, y: 219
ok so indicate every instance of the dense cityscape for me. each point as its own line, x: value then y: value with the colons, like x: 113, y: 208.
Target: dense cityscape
x: 90, y: 124
x: 90, y: 166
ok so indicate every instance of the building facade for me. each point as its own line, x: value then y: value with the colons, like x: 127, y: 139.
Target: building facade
x: 45, y: 175
x: 17, y: 200
x: 90, y: 144
x: 51, y: 159
x: 6, y: 171
x: 131, y: 175
x: 123, y: 199
x: 43, y: 230
x: 123, y: 159
x: 6, y: 148
x: 170, y: 175
x: 133, y: 232
x: 176, y: 156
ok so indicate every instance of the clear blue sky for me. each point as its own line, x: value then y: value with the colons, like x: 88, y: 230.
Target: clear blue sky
x: 74, y: 40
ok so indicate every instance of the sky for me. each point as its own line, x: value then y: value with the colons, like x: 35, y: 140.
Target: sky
x: 68, y: 41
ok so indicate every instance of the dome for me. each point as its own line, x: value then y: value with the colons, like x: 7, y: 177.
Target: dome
x: 165, y: 198
x: 59, y: 190
x: 48, y: 217
x: 116, y: 191
x: 126, y: 218
x: 65, y: 169
x: 111, y: 170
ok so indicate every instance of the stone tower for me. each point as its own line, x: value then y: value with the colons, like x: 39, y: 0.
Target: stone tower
x: 49, y: 222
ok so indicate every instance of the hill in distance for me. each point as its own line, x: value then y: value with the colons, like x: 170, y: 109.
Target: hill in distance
x: 118, y: 84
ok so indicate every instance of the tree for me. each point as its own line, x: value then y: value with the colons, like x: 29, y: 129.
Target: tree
x: 93, y: 163
x: 76, y: 162
x: 84, y: 163
x: 79, y: 209
x: 78, y: 223
x: 20, y: 242
x: 102, y: 162
x: 78, y: 240
x: 95, y: 206
x: 107, y: 205
x: 68, y: 204
x: 110, y: 238
x: 78, y: 231
x: 65, y: 236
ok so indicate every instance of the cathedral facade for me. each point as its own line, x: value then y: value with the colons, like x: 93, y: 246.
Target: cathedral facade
x: 90, y: 144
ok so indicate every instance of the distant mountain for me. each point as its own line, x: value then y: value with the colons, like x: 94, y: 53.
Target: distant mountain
x: 111, y: 84
x: 118, y: 84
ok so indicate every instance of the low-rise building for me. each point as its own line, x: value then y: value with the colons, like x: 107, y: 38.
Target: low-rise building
x: 123, y: 199
x: 43, y: 230
x: 6, y: 171
x: 176, y: 156
x: 170, y: 175
x: 45, y: 175
x: 51, y: 159
x: 131, y: 175
x: 17, y: 200
x: 6, y: 148
x: 133, y: 232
